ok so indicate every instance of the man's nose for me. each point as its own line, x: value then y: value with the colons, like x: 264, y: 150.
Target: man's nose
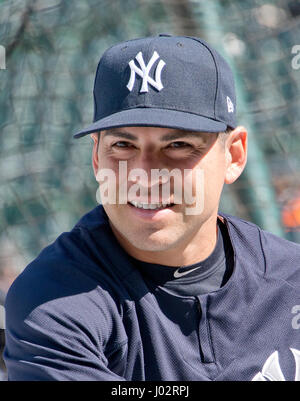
x: 145, y: 170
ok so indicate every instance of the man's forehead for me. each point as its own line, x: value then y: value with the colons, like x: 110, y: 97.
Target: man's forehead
x: 163, y: 134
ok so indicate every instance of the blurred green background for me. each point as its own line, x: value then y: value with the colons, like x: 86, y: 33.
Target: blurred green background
x: 51, y: 53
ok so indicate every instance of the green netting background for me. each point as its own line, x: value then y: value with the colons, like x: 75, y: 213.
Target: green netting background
x: 52, y: 50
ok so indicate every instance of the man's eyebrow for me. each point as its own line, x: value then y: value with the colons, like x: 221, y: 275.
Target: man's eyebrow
x: 122, y: 134
x: 181, y: 134
x: 167, y: 137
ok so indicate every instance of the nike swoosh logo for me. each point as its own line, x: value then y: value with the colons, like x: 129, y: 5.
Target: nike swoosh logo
x: 177, y: 274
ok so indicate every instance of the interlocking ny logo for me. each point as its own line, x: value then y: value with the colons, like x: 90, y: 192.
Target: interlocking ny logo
x: 144, y: 72
x: 272, y: 370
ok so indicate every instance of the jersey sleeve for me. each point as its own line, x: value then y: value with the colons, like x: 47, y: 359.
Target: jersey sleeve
x: 50, y: 332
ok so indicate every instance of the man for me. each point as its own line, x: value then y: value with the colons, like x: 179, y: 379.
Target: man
x: 156, y: 284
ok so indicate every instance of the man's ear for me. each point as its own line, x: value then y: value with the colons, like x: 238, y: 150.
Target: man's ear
x: 95, y: 157
x: 236, y: 148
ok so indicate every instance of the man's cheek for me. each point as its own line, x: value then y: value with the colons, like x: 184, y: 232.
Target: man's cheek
x: 194, y: 191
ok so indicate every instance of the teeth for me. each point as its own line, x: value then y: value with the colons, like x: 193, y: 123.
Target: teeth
x: 149, y: 205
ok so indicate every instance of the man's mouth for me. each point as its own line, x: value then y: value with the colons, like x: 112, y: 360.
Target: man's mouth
x: 151, y: 206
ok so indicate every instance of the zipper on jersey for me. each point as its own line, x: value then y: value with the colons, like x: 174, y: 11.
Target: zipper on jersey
x: 205, y: 345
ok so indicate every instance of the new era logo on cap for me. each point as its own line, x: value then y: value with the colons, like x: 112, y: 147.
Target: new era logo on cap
x: 144, y: 72
x: 164, y: 81
x: 230, y: 105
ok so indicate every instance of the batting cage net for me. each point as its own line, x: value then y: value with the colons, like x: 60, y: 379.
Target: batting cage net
x: 48, y: 57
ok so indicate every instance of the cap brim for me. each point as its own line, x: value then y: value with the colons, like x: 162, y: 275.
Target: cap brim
x: 151, y: 117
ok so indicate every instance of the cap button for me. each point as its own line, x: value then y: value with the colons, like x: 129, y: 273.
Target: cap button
x: 164, y: 34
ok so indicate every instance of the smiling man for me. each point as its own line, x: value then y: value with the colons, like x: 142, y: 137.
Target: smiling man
x: 155, y: 283
x: 169, y: 235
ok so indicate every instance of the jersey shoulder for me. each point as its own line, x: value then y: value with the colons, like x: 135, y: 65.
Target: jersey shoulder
x: 51, y: 289
x: 279, y: 257
x: 65, y: 282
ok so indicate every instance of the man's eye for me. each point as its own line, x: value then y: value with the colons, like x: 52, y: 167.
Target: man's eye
x: 179, y: 145
x: 121, y: 144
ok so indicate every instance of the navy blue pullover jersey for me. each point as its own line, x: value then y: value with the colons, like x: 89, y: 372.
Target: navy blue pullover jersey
x: 82, y: 311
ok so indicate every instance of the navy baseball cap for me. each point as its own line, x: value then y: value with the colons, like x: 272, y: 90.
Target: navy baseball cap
x: 163, y: 81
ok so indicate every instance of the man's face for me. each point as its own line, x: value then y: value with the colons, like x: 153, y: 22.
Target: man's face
x: 149, y: 148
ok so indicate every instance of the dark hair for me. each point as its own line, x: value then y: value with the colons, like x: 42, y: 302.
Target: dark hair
x: 224, y: 135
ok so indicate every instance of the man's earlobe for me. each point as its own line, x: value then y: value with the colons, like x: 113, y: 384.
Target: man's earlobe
x: 232, y: 173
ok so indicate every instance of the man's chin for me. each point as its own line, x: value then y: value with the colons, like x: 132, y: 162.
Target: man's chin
x: 156, y: 242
